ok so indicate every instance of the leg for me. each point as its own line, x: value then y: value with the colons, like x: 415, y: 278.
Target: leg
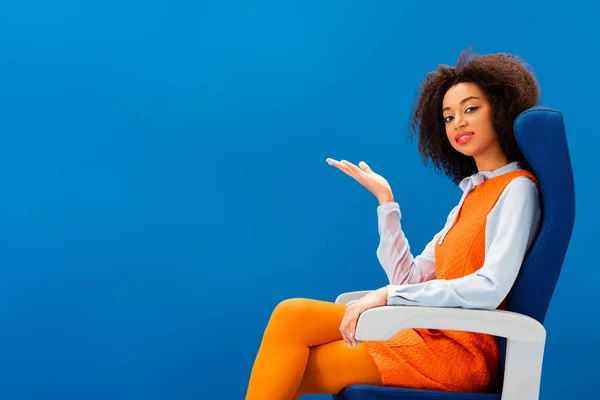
x: 295, y: 326
x: 333, y: 366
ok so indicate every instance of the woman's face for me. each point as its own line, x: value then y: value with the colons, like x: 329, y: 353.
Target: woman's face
x: 468, y: 120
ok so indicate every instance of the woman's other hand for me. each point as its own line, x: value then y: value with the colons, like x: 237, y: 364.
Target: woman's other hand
x: 375, y: 183
x: 376, y: 298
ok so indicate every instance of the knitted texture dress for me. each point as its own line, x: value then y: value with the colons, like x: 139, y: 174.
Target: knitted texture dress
x: 444, y: 359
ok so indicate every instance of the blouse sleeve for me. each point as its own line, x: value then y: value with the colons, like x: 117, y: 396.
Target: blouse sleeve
x: 511, y: 227
x: 393, y: 252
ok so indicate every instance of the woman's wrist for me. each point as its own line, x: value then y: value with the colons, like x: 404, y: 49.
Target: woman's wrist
x: 386, y: 198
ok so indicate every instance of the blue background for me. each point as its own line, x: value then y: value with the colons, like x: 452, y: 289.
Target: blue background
x: 164, y: 182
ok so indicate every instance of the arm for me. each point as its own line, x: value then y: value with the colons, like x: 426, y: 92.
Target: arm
x: 394, y: 251
x: 510, y: 230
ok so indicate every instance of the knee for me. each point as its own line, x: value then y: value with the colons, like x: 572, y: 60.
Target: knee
x: 291, y: 311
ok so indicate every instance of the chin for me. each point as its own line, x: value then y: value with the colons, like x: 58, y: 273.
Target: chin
x: 466, y: 152
x: 469, y: 153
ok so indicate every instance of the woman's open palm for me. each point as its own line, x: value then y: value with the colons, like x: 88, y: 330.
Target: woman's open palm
x: 375, y: 183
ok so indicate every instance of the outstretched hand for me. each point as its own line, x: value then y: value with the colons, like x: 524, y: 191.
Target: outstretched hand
x: 364, y: 175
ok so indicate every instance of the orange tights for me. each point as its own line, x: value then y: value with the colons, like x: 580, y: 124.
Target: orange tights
x: 302, y: 352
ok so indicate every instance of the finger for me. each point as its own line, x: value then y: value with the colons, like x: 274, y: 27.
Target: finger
x: 352, y: 167
x: 348, y: 332
x: 363, y: 166
x: 336, y: 163
x: 343, y: 167
x: 343, y: 332
x: 352, y: 331
x: 350, y: 339
x: 347, y: 322
x: 351, y: 334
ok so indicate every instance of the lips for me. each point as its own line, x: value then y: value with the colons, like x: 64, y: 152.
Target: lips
x: 463, y: 134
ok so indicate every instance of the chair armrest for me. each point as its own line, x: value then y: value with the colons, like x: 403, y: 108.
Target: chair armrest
x: 381, y: 323
x: 525, y: 345
x: 347, y: 298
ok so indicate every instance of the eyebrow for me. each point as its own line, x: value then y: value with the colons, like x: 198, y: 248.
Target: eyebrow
x: 462, y: 101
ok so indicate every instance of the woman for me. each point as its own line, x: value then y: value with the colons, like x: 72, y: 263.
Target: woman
x: 464, y: 117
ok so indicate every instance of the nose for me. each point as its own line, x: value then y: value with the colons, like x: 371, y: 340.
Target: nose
x: 459, y: 122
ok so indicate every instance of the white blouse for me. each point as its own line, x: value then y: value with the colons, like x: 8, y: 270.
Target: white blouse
x: 510, y: 230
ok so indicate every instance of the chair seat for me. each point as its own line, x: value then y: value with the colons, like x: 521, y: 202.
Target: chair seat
x: 368, y: 392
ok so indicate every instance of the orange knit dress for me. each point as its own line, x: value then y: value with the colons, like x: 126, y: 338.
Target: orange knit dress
x: 443, y: 359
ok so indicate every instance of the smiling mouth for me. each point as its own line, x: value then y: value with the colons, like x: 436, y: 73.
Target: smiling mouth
x: 463, y: 135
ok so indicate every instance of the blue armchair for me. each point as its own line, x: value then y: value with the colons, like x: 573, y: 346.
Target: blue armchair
x: 540, y: 134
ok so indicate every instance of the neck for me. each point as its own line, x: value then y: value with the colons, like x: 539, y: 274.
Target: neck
x: 491, y: 160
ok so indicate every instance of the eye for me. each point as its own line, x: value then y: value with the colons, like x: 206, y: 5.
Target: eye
x: 447, y: 119
x: 473, y: 108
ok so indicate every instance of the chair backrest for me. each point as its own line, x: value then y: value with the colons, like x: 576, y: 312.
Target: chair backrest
x: 540, y: 134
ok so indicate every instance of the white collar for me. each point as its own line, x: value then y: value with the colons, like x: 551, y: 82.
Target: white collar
x: 471, y: 181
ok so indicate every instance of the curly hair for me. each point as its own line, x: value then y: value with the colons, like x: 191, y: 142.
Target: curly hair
x: 511, y: 88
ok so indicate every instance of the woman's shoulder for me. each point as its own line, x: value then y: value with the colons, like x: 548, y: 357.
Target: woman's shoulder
x: 520, y: 191
x: 525, y: 184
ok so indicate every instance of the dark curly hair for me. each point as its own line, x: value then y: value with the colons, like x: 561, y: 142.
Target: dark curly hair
x: 511, y: 88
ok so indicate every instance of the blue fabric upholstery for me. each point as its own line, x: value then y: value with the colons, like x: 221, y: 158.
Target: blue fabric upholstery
x: 540, y: 134
x: 368, y: 392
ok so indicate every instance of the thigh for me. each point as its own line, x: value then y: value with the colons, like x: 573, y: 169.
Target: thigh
x: 333, y: 366
x: 312, y: 322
